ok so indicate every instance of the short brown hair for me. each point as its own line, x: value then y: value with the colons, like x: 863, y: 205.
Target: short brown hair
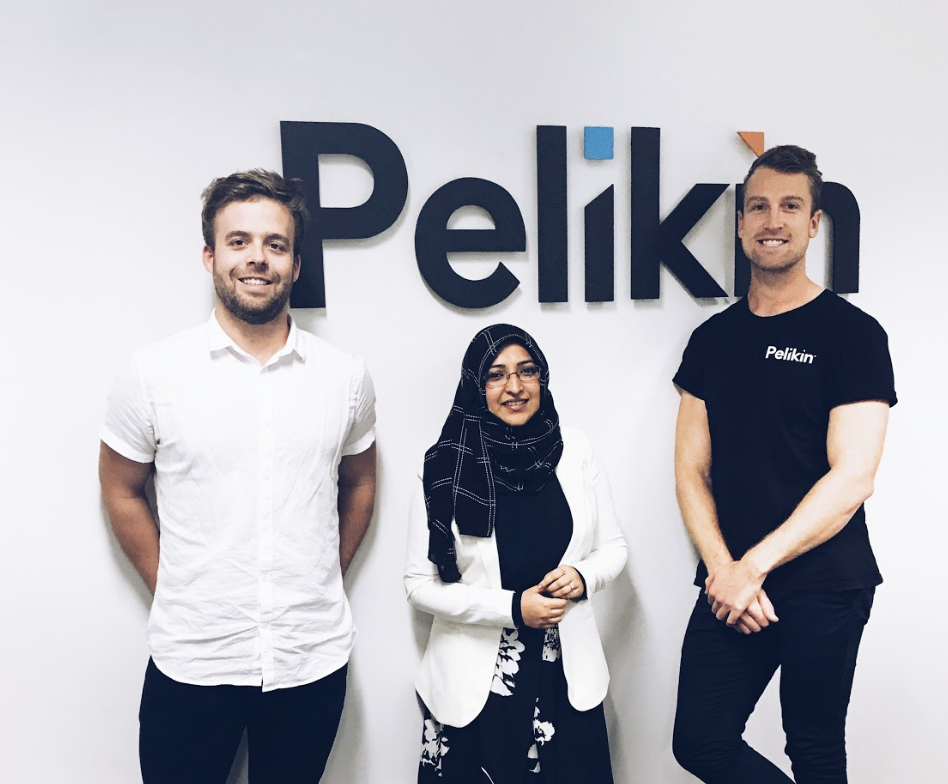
x: 790, y: 159
x: 250, y: 186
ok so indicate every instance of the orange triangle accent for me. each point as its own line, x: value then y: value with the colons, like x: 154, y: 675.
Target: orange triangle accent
x: 754, y: 140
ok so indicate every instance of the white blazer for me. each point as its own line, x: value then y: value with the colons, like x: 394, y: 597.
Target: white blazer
x: 458, y: 666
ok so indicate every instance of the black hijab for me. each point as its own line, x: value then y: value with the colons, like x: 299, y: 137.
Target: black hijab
x: 477, y: 451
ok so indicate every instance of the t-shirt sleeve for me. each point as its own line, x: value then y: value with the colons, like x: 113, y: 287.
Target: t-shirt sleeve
x: 129, y: 423
x: 864, y: 367
x: 690, y: 375
x: 362, y: 424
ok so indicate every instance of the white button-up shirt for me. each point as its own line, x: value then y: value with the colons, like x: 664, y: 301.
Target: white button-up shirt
x: 246, y: 460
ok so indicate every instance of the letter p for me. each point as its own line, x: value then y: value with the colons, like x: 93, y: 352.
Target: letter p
x: 303, y: 143
x: 771, y: 350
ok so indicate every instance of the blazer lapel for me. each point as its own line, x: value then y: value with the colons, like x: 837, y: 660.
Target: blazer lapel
x: 482, y: 551
x: 571, y: 480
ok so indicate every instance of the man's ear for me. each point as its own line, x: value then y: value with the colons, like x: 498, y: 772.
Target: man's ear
x: 207, y: 257
x: 815, y: 223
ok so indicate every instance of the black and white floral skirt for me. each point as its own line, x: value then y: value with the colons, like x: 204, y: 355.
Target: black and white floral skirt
x: 527, y: 733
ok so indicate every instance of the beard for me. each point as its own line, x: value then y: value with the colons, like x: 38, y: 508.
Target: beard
x: 780, y: 268
x: 256, y: 311
x: 768, y: 266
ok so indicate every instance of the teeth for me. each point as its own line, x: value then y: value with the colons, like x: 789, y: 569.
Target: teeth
x: 254, y: 281
x: 773, y: 243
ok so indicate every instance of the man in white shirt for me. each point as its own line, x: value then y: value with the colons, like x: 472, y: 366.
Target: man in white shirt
x: 260, y: 437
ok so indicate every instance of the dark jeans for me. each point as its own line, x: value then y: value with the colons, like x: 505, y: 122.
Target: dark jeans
x: 723, y: 673
x: 189, y: 734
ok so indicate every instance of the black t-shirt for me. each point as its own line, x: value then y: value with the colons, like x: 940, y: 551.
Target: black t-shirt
x: 769, y: 384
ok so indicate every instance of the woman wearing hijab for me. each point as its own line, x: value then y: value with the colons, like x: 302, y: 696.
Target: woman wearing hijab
x: 512, y: 528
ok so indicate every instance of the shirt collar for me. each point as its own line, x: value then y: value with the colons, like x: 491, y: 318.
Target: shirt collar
x: 218, y: 340
x: 293, y: 343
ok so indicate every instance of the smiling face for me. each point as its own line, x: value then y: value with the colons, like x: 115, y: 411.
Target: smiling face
x: 252, y: 260
x: 777, y: 222
x: 514, y: 402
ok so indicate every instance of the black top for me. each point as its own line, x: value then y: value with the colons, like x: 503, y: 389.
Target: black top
x: 769, y: 384
x: 533, y: 531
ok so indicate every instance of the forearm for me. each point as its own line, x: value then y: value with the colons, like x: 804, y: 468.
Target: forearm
x: 693, y: 482
x: 460, y: 603
x: 123, y: 484
x: 137, y: 534
x: 356, y: 504
x: 602, y: 565
x: 699, y: 514
x: 732, y: 590
x: 822, y: 514
x: 609, y: 551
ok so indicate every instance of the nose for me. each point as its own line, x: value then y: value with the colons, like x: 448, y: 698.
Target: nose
x: 514, y: 384
x: 256, y: 255
x: 774, y: 218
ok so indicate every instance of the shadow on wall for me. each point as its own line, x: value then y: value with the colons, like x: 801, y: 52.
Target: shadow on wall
x: 238, y: 771
x: 621, y: 623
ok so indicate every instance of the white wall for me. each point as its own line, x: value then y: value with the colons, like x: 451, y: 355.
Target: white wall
x: 117, y: 114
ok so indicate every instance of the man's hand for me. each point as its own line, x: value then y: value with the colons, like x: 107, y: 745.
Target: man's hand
x: 563, y: 582
x: 733, y: 588
x: 759, y: 615
x: 539, y: 611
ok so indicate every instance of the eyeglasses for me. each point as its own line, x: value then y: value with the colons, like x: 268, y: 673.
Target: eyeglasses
x: 527, y: 375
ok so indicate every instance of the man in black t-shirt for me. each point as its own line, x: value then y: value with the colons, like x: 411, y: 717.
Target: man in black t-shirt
x: 784, y: 404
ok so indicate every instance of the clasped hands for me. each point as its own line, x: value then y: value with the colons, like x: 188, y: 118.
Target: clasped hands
x: 737, y: 597
x: 544, y: 605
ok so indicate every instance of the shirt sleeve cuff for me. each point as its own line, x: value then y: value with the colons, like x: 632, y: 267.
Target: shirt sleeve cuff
x: 516, y: 610
x: 125, y: 450
x: 359, y: 446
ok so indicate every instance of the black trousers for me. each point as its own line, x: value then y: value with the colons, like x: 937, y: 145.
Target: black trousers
x: 189, y: 734
x: 723, y: 673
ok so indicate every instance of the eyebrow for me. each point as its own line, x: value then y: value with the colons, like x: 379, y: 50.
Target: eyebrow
x: 240, y: 233
x: 756, y: 199
x: 521, y: 362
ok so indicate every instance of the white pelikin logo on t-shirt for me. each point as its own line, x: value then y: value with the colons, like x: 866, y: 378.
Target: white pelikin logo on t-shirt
x: 789, y: 355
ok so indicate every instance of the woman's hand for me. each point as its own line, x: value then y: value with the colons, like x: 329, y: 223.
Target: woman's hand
x: 563, y: 582
x: 539, y: 611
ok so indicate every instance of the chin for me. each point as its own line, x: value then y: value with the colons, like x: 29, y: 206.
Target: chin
x: 516, y: 420
x: 774, y: 266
